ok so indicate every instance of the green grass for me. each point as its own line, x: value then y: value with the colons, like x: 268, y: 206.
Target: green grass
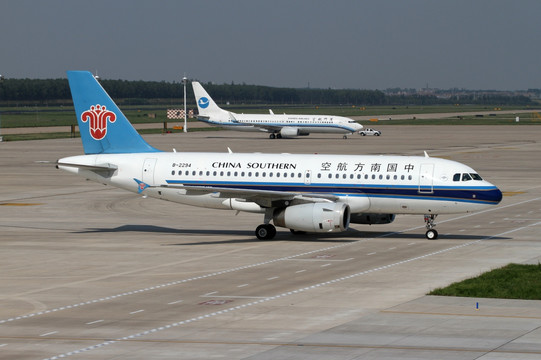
x: 65, y: 115
x: 514, y: 281
x: 65, y: 135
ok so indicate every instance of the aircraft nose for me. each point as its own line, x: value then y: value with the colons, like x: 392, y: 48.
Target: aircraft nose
x: 493, y: 196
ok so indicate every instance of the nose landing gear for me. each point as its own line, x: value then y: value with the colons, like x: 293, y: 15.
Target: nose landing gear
x: 431, y: 233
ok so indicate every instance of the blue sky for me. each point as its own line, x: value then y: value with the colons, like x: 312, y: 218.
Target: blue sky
x: 475, y: 44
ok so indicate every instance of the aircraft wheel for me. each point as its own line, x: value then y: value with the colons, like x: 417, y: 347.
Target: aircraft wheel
x: 431, y: 234
x: 344, y: 137
x: 265, y: 232
x: 272, y: 136
x: 278, y: 136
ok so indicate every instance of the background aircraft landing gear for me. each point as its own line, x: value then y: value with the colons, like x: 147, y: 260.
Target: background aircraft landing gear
x: 431, y: 233
x: 265, y: 231
x: 272, y: 136
x: 344, y: 137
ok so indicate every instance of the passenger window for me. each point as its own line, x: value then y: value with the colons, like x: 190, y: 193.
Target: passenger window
x: 410, y: 177
x: 456, y: 177
x: 319, y: 176
x: 330, y: 176
x: 466, y: 177
x: 173, y: 172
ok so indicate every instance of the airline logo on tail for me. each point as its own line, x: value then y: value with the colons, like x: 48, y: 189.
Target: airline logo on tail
x: 203, y: 103
x: 98, y: 117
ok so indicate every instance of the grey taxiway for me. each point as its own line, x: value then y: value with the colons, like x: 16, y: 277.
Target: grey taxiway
x: 92, y: 272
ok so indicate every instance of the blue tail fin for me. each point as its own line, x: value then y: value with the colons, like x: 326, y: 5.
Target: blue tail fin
x: 104, y: 128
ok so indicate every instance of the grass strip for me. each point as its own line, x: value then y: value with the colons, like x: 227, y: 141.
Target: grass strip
x: 513, y: 281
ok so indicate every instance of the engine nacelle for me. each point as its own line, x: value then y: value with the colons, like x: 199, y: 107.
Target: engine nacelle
x: 314, y: 217
x: 372, y: 218
x: 288, y: 131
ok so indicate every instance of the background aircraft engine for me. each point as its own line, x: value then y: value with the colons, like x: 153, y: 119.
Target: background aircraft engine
x: 289, y: 131
x: 372, y: 218
x: 314, y: 217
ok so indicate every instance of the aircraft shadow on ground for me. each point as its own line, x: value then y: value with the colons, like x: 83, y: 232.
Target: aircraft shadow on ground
x: 351, y: 235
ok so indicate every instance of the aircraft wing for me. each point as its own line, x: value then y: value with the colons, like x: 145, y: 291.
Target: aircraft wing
x: 265, y: 198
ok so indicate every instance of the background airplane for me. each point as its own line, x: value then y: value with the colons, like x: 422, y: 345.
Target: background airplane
x: 279, y: 126
x: 301, y: 192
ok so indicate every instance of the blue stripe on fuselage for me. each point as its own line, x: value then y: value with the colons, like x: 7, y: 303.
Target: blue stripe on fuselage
x: 474, y: 194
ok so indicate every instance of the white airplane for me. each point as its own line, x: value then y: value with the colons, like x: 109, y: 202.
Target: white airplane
x: 279, y: 126
x: 305, y: 193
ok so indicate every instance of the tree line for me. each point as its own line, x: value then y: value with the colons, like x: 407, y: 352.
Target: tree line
x: 14, y: 91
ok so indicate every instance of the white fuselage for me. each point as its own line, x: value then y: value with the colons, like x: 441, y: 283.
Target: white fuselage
x: 368, y: 184
x: 305, y: 124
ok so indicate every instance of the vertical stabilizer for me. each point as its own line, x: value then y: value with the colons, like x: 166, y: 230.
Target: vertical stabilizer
x: 205, y: 105
x: 104, y: 128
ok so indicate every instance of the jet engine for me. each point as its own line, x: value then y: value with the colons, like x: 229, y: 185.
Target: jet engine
x: 289, y: 132
x: 314, y: 217
x: 372, y: 218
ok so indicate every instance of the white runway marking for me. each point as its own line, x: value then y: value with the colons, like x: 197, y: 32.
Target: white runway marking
x: 136, y: 311
x: 299, y: 271
x: 49, y: 333
x: 273, y: 278
x: 174, y: 302
x: 94, y: 322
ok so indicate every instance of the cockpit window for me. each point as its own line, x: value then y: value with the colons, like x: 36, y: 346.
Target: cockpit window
x: 466, y: 177
x: 456, y: 177
x: 476, y: 177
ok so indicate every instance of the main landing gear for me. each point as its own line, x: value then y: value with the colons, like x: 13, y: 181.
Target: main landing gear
x: 431, y: 233
x: 275, y: 136
x: 266, y: 231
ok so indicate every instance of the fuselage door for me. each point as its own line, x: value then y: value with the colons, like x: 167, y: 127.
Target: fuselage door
x: 426, y: 178
x: 148, y: 171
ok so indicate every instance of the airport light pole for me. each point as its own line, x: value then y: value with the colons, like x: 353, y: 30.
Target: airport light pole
x: 1, y: 82
x: 184, y: 80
